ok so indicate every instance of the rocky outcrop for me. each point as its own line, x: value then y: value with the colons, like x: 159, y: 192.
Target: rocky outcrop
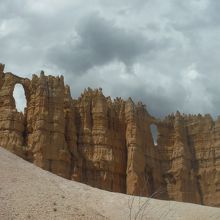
x: 189, y: 148
x: 108, y: 143
x: 39, y: 135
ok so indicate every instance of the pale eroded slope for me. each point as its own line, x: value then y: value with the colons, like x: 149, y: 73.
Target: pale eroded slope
x: 28, y: 192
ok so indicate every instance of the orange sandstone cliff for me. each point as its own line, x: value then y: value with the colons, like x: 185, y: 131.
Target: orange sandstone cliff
x: 108, y: 143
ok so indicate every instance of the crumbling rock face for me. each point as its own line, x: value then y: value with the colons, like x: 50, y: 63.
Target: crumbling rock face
x: 100, y: 142
x: 189, y: 149
x: 108, y: 143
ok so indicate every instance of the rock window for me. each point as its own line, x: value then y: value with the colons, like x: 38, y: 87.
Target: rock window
x: 154, y: 133
x: 20, y: 99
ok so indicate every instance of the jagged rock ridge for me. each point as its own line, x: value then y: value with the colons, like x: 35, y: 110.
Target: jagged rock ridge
x: 108, y: 143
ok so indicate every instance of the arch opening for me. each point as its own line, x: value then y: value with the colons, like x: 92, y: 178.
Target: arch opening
x: 154, y: 133
x: 20, y: 98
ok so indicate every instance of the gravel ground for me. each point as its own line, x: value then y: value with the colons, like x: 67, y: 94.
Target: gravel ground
x: 28, y: 192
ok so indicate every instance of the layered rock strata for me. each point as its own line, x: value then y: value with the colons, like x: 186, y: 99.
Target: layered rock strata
x: 108, y: 143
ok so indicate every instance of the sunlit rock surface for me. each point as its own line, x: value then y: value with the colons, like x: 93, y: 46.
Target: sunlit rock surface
x: 108, y: 143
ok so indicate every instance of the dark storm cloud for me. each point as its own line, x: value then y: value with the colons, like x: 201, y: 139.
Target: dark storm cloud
x: 172, y: 48
x: 99, y: 42
x: 156, y: 99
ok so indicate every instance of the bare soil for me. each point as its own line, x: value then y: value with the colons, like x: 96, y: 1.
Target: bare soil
x: 28, y: 192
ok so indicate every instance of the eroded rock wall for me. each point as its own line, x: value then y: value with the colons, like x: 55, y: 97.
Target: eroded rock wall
x: 12, y: 123
x: 108, y: 143
x: 101, y: 141
x: 112, y: 140
x: 189, y: 151
x: 39, y: 135
x: 47, y: 117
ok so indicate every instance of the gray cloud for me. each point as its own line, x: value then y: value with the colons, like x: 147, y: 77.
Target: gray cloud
x: 171, y: 48
x: 99, y: 42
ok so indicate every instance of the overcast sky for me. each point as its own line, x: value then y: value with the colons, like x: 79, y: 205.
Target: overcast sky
x: 165, y: 53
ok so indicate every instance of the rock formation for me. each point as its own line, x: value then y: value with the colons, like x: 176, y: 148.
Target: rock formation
x: 190, y: 157
x: 108, y: 143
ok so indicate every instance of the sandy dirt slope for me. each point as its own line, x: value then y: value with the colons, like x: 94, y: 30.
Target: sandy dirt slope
x: 28, y: 192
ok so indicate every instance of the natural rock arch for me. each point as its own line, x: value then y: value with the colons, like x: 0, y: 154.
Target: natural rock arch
x: 19, y: 81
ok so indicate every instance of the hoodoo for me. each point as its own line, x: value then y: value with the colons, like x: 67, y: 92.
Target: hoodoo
x: 108, y: 143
